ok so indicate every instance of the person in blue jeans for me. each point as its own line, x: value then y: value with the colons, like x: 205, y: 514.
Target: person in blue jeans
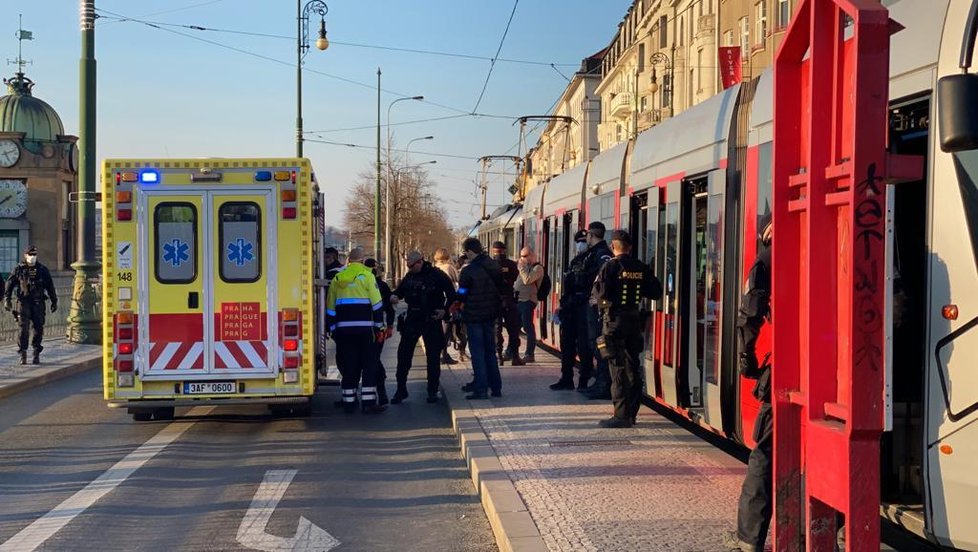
x: 479, y: 300
x: 527, y: 284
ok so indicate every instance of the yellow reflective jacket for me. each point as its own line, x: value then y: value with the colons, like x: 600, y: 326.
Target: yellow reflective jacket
x: 353, y: 303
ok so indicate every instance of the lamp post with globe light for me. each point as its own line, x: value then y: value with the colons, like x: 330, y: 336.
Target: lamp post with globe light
x: 302, y: 46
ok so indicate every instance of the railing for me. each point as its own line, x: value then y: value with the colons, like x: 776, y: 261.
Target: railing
x: 623, y: 103
x: 55, y: 323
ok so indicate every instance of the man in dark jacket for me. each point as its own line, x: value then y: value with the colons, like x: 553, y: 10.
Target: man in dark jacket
x: 597, y: 254
x: 428, y: 292
x: 479, y: 299
x: 385, y: 296
x: 619, y: 289
x: 755, y: 504
x: 509, y: 317
x: 32, y: 281
x: 574, y: 343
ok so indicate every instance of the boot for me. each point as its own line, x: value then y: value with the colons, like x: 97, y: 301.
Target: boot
x: 517, y: 361
x: 562, y: 384
x: 399, y: 395
x: 382, y: 399
x: 37, y: 357
x: 529, y: 358
x: 615, y: 422
x: 447, y: 360
x: 23, y: 357
x: 582, y: 384
x: 468, y: 387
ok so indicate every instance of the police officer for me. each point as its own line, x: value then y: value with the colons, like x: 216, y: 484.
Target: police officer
x: 355, y: 317
x: 574, y: 342
x: 32, y: 281
x: 755, y: 505
x: 385, y: 296
x: 596, y: 256
x: 428, y: 293
x: 509, y: 318
x: 618, y: 291
x: 331, y: 258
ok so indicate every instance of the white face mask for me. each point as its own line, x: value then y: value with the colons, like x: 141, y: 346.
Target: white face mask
x: 31, y: 259
x: 580, y: 247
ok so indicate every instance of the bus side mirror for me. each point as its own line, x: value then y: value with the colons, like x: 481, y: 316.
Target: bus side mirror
x: 957, y: 104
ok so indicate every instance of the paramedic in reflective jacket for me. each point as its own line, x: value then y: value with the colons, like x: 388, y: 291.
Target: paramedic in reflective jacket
x: 755, y: 504
x: 618, y: 291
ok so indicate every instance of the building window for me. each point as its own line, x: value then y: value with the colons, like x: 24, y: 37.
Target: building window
x: 728, y: 38
x: 681, y: 30
x: 663, y: 31
x: 784, y: 13
x: 744, y: 37
x: 666, y: 90
x: 699, y: 70
x: 9, y: 251
x: 760, y: 23
x: 641, y: 57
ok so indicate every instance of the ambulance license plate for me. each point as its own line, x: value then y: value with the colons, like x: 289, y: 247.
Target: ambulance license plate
x: 209, y: 387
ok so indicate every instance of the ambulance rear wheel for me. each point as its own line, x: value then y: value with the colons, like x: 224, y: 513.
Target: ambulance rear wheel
x: 142, y: 416
x: 302, y: 411
x: 163, y: 414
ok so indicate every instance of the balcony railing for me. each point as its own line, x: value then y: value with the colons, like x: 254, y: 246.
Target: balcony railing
x: 622, y: 104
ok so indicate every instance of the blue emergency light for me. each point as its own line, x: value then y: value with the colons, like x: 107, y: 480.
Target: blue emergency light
x: 149, y: 177
x: 263, y: 176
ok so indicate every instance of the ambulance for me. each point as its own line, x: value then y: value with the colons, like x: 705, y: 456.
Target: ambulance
x: 209, y: 298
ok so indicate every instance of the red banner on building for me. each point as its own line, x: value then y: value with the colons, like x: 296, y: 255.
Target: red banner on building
x: 730, y: 65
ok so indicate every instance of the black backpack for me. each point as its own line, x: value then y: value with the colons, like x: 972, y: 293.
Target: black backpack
x: 544, y: 287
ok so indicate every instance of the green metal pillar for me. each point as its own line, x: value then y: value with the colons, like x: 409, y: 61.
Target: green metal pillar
x: 84, y: 320
x: 298, y: 79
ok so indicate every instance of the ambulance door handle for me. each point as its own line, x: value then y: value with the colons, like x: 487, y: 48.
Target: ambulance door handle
x: 193, y: 300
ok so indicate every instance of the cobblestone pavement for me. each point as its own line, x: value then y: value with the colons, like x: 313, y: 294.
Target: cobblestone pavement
x: 652, y: 487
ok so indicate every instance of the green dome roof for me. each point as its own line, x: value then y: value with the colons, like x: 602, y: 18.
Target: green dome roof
x: 22, y: 112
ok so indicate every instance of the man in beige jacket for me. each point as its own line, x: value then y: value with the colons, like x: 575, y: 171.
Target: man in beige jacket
x: 531, y: 274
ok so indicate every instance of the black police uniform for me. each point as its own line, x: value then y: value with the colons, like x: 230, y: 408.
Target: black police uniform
x: 425, y: 292
x: 595, y: 257
x: 509, y: 317
x: 755, y: 504
x: 618, y: 291
x: 31, y: 284
x: 385, y: 296
x: 574, y: 339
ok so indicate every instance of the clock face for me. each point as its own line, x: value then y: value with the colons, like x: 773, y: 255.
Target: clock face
x: 13, y: 198
x: 9, y: 153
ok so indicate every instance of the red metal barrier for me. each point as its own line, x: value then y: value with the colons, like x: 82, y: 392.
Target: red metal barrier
x: 828, y: 268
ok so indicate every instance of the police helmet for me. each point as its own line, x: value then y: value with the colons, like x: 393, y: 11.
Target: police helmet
x: 580, y: 236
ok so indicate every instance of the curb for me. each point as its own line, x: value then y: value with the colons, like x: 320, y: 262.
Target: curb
x: 49, y: 375
x: 509, y: 518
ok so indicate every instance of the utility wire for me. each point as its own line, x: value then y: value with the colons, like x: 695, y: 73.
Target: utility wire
x: 492, y: 63
x: 359, y: 146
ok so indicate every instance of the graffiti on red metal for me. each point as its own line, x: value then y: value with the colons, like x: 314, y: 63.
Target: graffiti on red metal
x: 868, y: 216
x: 240, y: 322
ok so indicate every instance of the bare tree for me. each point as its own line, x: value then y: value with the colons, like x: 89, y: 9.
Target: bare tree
x: 417, y: 218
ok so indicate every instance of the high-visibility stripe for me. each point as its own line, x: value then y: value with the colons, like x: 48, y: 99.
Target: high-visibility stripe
x: 353, y: 301
x: 354, y: 324
x: 378, y: 305
x: 188, y: 362
x: 331, y: 312
x: 349, y: 391
x: 368, y: 389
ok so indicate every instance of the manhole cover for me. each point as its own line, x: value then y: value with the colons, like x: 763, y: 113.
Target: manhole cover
x: 592, y: 443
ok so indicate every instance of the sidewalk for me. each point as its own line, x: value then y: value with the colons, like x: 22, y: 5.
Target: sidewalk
x: 59, y: 359
x: 551, y: 479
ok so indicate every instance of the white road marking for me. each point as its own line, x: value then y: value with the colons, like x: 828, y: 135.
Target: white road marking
x: 46, y: 526
x: 251, y: 533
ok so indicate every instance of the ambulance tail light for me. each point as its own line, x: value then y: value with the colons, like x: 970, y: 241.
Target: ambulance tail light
x: 288, y: 195
x: 125, y: 334
x: 125, y: 346
x: 291, y: 362
x: 124, y: 214
x: 288, y: 212
x: 124, y: 366
x: 291, y: 345
x: 291, y: 331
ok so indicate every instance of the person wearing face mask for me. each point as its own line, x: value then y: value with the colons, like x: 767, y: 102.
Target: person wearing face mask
x: 574, y: 342
x: 32, y: 282
x: 598, y: 253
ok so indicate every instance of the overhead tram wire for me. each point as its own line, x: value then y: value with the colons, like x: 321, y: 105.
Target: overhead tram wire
x: 492, y: 63
x: 163, y: 27
x: 360, y: 146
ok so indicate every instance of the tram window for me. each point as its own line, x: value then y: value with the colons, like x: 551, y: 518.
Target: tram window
x: 603, y: 210
x: 714, y: 286
x: 240, y: 237
x: 764, y: 168
x: 176, y: 242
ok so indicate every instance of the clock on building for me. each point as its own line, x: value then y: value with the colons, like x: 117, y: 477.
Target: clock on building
x: 13, y: 198
x: 9, y: 153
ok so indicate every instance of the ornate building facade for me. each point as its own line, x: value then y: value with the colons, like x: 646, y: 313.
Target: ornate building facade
x: 38, y: 173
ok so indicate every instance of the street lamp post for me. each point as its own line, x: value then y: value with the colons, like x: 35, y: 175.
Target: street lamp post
x: 302, y: 46
x: 377, y: 190
x: 669, y: 66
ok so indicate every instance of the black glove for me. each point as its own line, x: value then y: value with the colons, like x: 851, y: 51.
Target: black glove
x: 54, y: 306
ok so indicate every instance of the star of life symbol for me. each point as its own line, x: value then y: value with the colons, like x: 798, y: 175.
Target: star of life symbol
x: 175, y: 252
x: 239, y: 251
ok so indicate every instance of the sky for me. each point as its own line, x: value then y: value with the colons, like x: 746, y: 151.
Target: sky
x: 171, y: 91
